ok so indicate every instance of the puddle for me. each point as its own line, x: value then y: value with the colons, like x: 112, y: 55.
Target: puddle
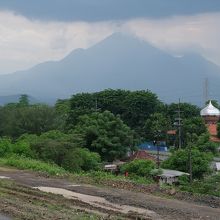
x: 2, y: 217
x: 4, y: 177
x: 100, y: 202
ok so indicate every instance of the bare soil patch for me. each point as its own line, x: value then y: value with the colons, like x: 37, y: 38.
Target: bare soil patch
x: 165, y: 208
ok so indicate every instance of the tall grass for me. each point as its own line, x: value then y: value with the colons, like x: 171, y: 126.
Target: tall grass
x: 32, y: 164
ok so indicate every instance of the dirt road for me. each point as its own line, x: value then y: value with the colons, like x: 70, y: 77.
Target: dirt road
x: 113, y: 201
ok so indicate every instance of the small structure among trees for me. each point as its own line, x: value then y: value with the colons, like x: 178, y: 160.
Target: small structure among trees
x: 170, y: 176
x: 211, y: 116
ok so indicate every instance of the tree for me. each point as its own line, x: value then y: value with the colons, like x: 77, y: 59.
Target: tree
x: 187, y: 110
x: 133, y: 107
x: 205, y: 145
x: 80, y: 104
x: 156, y: 124
x: 105, y: 134
x: 193, y: 126
x: 179, y: 160
x: 32, y: 119
x: 23, y: 100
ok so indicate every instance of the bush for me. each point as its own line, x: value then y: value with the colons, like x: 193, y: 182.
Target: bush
x: 81, y: 159
x: 22, y: 148
x: 139, y: 167
x: 5, y: 146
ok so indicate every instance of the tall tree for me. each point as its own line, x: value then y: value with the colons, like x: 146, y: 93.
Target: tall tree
x: 134, y: 107
x: 105, y: 134
x: 24, y: 100
x: 157, y: 124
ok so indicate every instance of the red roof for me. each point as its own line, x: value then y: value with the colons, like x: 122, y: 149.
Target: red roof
x: 142, y: 155
x: 171, y: 132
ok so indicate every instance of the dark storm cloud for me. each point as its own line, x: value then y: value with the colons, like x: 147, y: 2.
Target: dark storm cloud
x: 100, y: 10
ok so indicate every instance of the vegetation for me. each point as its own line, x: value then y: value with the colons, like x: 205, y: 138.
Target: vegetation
x: 31, y: 164
x: 82, y: 133
x: 179, y: 160
x: 142, y: 168
x: 105, y: 134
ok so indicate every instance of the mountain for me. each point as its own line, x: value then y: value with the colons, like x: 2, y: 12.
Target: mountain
x: 119, y: 61
x: 14, y: 99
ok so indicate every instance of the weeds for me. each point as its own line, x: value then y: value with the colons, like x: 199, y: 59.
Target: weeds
x: 32, y: 164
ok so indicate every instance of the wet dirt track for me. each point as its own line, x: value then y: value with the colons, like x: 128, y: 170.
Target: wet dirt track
x: 168, y: 209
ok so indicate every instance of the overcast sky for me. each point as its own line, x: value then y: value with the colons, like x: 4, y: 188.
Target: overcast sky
x: 36, y: 31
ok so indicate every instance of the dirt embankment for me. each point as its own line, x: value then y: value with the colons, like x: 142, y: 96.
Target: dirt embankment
x: 158, y: 207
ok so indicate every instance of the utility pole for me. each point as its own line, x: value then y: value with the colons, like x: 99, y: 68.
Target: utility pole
x: 189, y: 147
x: 96, y: 105
x: 190, y: 163
x: 178, y: 123
x: 155, y: 143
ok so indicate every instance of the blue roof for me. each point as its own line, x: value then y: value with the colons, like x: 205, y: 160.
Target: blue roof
x: 150, y: 147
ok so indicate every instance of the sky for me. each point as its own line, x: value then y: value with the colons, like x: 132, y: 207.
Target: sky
x: 32, y: 32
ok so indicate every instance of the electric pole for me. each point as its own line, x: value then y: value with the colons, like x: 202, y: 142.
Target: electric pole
x: 178, y: 123
x: 190, y: 163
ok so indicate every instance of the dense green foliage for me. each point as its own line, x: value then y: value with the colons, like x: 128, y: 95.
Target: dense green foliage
x: 156, y: 127
x: 16, y: 120
x: 179, y: 160
x: 81, y: 133
x: 133, y: 107
x: 142, y: 168
x: 105, y: 134
x: 209, y: 185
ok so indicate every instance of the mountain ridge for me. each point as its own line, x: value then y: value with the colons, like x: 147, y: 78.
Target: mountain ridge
x: 119, y: 62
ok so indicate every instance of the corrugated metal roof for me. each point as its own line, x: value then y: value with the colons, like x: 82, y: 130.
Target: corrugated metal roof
x: 172, y: 173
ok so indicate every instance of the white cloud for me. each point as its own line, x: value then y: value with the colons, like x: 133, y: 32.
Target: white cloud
x: 198, y: 33
x: 24, y: 42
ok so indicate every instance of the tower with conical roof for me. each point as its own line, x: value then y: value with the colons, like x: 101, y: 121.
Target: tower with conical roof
x: 210, y: 113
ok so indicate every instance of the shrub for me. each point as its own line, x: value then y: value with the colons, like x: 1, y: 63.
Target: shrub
x: 22, y: 148
x: 31, y: 164
x: 139, y: 167
x: 81, y: 159
x: 5, y: 146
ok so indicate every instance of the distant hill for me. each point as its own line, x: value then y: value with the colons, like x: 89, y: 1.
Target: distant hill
x: 119, y: 61
x: 14, y: 99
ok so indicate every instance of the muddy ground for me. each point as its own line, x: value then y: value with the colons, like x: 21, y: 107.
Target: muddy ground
x: 29, y: 203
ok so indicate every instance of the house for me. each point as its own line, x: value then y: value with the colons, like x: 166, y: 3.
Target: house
x: 217, y: 166
x: 170, y: 176
x: 141, y: 155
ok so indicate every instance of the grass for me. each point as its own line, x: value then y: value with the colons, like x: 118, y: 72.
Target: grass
x: 20, y: 202
x: 32, y: 164
x: 100, y: 177
x: 93, y: 177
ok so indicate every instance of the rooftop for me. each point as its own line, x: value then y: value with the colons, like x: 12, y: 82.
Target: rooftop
x: 210, y: 110
x: 172, y: 173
